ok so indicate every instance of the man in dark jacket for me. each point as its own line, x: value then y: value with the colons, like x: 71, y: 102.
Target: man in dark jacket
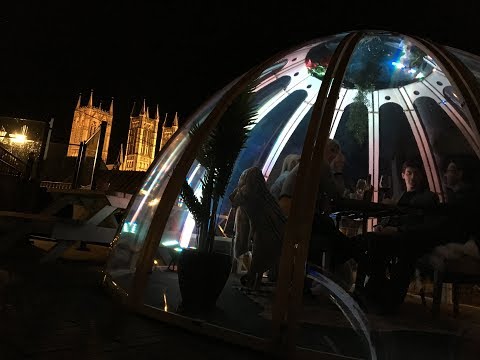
x: 398, y: 241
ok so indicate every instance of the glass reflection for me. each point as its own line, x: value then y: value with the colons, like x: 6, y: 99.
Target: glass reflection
x: 128, y: 243
x: 403, y: 147
x: 394, y: 232
x: 284, y: 98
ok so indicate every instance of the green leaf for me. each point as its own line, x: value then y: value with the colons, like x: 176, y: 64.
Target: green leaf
x: 192, y: 203
x: 218, y: 156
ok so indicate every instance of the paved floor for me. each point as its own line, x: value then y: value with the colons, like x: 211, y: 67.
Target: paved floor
x: 60, y: 311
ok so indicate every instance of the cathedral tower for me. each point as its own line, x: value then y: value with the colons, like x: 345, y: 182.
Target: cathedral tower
x: 142, y: 138
x: 86, y: 121
x: 168, y: 131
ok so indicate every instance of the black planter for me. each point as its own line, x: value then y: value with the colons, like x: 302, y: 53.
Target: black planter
x: 202, y: 277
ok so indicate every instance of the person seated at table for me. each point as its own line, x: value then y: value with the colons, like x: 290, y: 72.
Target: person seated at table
x: 398, y: 241
x: 416, y: 195
x: 462, y: 199
x: 288, y: 165
x: 331, y: 181
x: 325, y: 235
x: 457, y: 184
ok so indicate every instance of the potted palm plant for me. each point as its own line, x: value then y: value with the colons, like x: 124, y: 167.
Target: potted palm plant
x: 202, y: 272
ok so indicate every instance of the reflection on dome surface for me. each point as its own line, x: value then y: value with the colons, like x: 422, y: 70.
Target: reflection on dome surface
x: 400, y: 100
x: 384, y: 62
x: 379, y: 62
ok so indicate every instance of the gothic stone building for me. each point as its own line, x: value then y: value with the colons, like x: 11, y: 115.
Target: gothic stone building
x: 86, y: 121
x: 142, y: 139
x: 168, y: 131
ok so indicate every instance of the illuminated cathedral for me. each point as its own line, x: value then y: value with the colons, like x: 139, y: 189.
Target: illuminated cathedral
x: 142, y: 134
x: 86, y: 121
x: 142, y: 139
x: 168, y: 131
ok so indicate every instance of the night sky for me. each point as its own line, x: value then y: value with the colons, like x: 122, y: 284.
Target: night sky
x: 178, y: 53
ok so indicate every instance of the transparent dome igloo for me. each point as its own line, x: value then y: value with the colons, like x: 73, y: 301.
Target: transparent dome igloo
x: 386, y: 99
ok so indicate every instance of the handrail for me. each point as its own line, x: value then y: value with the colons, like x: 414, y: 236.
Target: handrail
x: 2, y: 149
x: 11, y: 163
x: 56, y: 185
x: 10, y: 170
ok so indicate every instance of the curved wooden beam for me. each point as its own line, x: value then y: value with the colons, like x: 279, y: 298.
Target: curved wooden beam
x: 172, y: 189
x: 298, y: 228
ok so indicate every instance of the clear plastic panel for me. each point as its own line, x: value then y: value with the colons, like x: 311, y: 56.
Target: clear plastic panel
x: 331, y: 320
x: 407, y: 220
x: 130, y: 239
x: 284, y: 99
x: 395, y: 105
x: 471, y: 61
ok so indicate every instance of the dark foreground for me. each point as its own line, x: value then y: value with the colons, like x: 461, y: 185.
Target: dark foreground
x: 60, y: 311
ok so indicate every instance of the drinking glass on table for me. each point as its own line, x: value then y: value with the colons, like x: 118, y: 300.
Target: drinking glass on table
x: 385, y: 186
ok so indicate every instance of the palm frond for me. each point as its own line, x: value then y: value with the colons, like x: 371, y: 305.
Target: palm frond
x: 192, y: 203
x: 218, y: 156
x: 230, y: 136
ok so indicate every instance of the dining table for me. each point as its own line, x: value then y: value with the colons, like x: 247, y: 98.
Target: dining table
x: 362, y: 211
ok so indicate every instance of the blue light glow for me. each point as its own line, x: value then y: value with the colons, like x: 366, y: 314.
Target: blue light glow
x: 130, y: 227
x: 398, y: 65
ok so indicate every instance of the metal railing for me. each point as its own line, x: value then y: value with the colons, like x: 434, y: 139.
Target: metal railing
x: 56, y: 185
x: 10, y: 164
x: 88, y: 159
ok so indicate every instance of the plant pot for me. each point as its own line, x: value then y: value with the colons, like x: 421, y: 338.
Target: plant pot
x: 201, y: 278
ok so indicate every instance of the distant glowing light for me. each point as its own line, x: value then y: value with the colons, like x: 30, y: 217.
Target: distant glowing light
x: 155, y: 262
x: 18, y: 138
x: 165, y: 308
x: 178, y: 249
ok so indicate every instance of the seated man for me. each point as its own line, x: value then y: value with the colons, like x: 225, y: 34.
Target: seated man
x: 416, y: 195
x: 456, y: 181
x: 398, y: 241
x: 462, y: 201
